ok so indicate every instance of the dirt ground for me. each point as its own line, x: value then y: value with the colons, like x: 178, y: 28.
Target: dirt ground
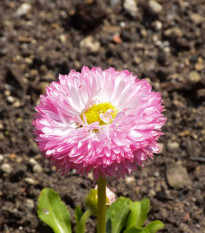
x: 162, y: 41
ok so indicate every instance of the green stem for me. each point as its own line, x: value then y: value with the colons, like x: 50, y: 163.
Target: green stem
x: 101, y: 205
x: 81, y: 226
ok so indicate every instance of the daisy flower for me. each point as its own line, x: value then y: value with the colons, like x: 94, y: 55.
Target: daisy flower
x: 107, y: 122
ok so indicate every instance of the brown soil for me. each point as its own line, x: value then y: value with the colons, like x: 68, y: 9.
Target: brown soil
x: 166, y: 47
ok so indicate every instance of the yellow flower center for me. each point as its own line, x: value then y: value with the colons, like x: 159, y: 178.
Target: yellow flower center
x: 103, y: 113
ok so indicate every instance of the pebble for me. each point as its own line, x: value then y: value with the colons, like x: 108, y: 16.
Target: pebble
x: 136, y: 60
x: 37, y: 168
x: 152, y: 193
x: 156, y: 174
x: 31, y: 181
x: 199, y: 66
x: 6, y: 168
x: 10, y: 99
x: 194, y: 77
x: 161, y: 144
x: 177, y: 176
x: 201, y: 93
x: 43, y: 86
x: 172, y: 145
x: 197, y: 18
x: 129, y: 179
x: 32, y: 161
x: 90, y: 175
x: 131, y: 7
x: 30, y: 203
x: 173, y: 33
x: 155, y: 7
x: 16, y: 104
x: 23, y: 9
x: 157, y: 25
x: 62, y: 38
x: 1, y: 157
x: 117, y: 39
x: 88, y: 44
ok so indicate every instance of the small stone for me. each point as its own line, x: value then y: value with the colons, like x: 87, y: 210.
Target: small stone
x: 88, y: 44
x: 129, y: 179
x: 172, y: 145
x: 90, y: 175
x: 143, y: 32
x: 137, y: 60
x: 34, y: 72
x: 173, y: 33
x: 37, y: 168
x: 155, y: 7
x: 1, y: 157
x: 131, y: 7
x: 77, y: 64
x: 43, y: 86
x: 6, y: 168
x: 157, y: 25
x: 30, y: 203
x: 16, y: 104
x: 194, y: 77
x: 10, y: 99
x: 23, y: 9
x: 31, y: 181
x: 177, y: 176
x: 197, y: 18
x: 156, y: 174
x: 161, y: 146
x: 152, y: 193
x: 32, y: 161
x: 199, y: 66
x: 201, y: 93
x: 12, y: 156
x: 7, y: 93
x: 185, y: 133
x: 1, y: 125
x: 117, y: 39
x: 62, y: 38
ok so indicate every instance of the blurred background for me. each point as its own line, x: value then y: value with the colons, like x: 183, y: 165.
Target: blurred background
x: 162, y: 41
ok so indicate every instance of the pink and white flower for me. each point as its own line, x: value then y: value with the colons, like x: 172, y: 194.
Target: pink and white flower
x: 107, y: 122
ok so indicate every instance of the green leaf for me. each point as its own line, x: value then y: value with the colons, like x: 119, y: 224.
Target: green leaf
x: 78, y: 214
x: 138, y: 215
x: 91, y: 201
x: 53, y: 211
x: 154, y: 226
x: 137, y: 230
x: 117, y: 214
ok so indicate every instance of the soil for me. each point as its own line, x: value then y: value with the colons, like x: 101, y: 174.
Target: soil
x: 162, y: 43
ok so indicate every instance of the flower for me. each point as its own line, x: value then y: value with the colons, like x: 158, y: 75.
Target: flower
x: 91, y: 199
x: 107, y: 122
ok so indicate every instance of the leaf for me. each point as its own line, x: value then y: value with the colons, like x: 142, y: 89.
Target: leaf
x: 138, y: 215
x: 78, y: 214
x: 137, y: 230
x: 53, y: 211
x: 117, y: 214
x: 154, y: 226
x: 91, y: 201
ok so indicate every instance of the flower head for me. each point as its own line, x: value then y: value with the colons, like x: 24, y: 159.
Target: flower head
x: 107, y: 122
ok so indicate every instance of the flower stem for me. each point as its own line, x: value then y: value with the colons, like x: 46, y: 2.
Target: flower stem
x: 101, y: 205
x: 82, y: 223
